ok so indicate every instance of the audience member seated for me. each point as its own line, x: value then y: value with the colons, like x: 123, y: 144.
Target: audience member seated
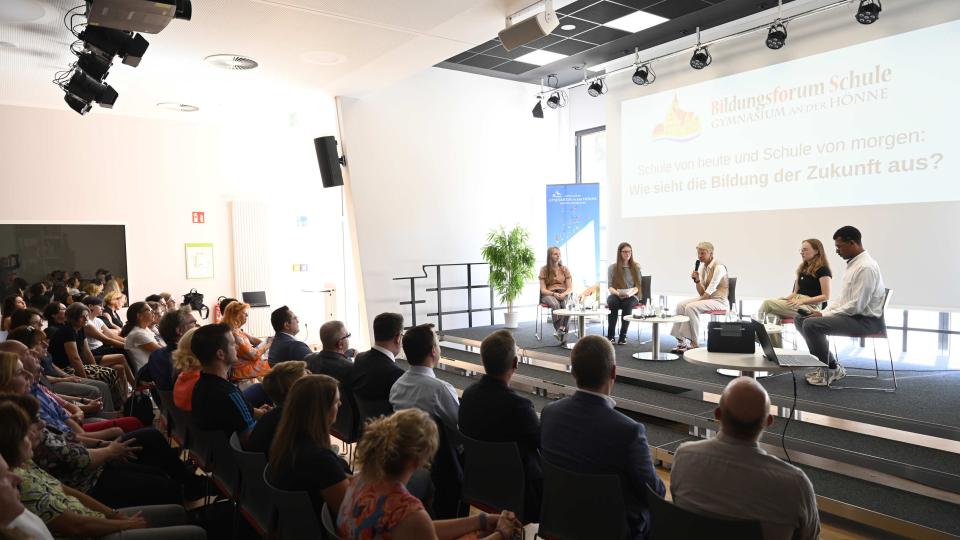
x: 112, y: 304
x: 858, y: 310
x: 139, y: 340
x: 375, y: 371
x: 187, y: 370
x: 713, y: 288
x: 811, y: 287
x: 169, y: 302
x: 250, y: 364
x: 624, y: 283
x: 585, y: 434
x: 556, y: 285
x: 68, y: 512
x: 54, y: 313
x: 69, y: 349
x: 332, y: 359
x: 158, y: 309
x: 10, y: 304
x: 301, y: 458
x: 94, y: 288
x: 38, y: 295
x: 730, y: 476
x: 159, y: 368
x: 491, y: 411
x: 277, y: 385
x: 88, y: 392
x: 377, y: 503
x: 14, y: 517
x: 219, y: 404
x: 73, y: 285
x: 419, y: 387
x: 100, y: 339
x: 285, y: 345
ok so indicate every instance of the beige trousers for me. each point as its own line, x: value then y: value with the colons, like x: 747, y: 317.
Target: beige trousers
x: 692, y: 308
x: 780, y: 308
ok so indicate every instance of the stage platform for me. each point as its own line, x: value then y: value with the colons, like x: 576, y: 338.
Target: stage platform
x: 886, y: 459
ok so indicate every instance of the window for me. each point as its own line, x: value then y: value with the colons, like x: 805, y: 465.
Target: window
x: 591, y: 164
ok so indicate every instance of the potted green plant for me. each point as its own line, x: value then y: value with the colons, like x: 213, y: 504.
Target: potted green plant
x: 511, y: 262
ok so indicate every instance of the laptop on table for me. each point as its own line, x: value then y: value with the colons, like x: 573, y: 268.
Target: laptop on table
x: 255, y: 298
x: 783, y: 358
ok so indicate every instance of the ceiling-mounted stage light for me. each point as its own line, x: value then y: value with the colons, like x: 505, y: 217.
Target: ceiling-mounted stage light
x: 868, y: 12
x: 94, y: 65
x: 80, y: 106
x: 557, y: 100
x: 108, y: 42
x: 644, y: 75
x: 89, y: 89
x: 701, y: 58
x: 597, y: 88
x: 538, y: 109
x: 777, y: 36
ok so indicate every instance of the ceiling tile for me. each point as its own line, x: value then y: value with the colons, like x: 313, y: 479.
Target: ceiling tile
x: 544, y: 41
x: 483, y: 61
x: 602, y: 34
x: 459, y: 58
x: 569, y: 47
x: 671, y: 9
x: 514, y: 67
x: 486, y: 46
x: 576, y: 6
x: 604, y: 11
x: 580, y: 24
x: 643, y: 4
x: 500, y: 52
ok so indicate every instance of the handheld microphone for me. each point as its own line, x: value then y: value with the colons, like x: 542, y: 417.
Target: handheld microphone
x: 696, y: 265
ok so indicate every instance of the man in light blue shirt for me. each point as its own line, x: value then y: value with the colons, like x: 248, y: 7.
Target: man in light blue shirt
x: 419, y: 387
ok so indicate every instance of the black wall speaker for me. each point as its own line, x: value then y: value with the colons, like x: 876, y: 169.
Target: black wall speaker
x: 329, y: 161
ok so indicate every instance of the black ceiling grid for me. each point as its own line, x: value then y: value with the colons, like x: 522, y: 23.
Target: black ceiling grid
x: 592, y: 43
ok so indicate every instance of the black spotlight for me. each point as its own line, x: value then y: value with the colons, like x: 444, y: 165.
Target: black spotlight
x: 868, y: 12
x: 644, y: 75
x: 94, y: 65
x: 109, y: 43
x: 80, y: 106
x: 554, y: 101
x: 701, y: 58
x: 777, y: 36
x: 89, y: 89
x: 597, y: 88
x: 538, y: 109
x: 184, y: 10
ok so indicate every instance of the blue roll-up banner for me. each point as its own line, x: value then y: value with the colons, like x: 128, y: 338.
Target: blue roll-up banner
x: 573, y: 225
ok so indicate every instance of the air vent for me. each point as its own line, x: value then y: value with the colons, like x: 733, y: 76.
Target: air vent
x: 232, y: 62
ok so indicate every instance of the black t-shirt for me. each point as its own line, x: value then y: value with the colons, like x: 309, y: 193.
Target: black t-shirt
x: 218, y: 404
x: 65, y: 334
x: 313, y: 470
x: 263, y: 432
x: 810, y: 285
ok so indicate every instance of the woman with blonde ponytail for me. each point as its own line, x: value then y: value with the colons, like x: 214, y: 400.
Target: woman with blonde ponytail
x: 377, y: 505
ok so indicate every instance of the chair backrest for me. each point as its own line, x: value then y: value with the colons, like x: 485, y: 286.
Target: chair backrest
x: 254, y: 494
x: 367, y: 409
x: 296, y: 518
x: 581, y: 506
x: 493, y: 476
x: 887, y: 293
x: 446, y: 471
x: 181, y: 425
x: 645, y: 286
x: 211, y: 449
x: 346, y: 427
x: 732, y: 292
x: 669, y: 521
x: 329, y: 524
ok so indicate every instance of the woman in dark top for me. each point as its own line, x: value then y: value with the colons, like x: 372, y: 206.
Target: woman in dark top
x: 811, y: 288
x: 300, y: 456
x: 112, y: 302
x: 277, y: 385
x: 11, y: 304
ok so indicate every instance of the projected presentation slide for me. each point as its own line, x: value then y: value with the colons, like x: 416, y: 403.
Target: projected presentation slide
x: 864, y: 125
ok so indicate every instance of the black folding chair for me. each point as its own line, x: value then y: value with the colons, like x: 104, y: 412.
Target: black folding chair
x: 668, y: 521
x: 581, y: 506
x: 493, y: 476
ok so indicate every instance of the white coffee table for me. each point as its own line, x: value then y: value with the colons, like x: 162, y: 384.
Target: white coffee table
x: 753, y: 365
x: 581, y: 316
x: 655, y: 355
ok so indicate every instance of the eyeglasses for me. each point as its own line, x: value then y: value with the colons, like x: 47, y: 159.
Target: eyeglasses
x: 345, y: 337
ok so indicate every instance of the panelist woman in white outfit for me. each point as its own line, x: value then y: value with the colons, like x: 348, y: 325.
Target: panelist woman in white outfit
x: 711, y: 283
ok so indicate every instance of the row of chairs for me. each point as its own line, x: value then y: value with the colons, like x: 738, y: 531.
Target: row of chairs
x: 579, y: 506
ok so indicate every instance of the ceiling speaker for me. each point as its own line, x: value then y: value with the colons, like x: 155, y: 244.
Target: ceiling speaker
x: 528, y: 30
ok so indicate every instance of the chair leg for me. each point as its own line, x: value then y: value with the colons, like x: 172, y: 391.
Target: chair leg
x: 893, y: 370
x: 538, y: 324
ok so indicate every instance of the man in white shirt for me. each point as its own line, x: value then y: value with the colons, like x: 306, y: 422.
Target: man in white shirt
x: 857, y: 310
x: 730, y: 476
x: 419, y: 387
x: 712, y: 285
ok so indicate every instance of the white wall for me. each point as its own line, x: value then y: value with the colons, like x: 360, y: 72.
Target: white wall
x: 436, y: 162
x: 151, y: 174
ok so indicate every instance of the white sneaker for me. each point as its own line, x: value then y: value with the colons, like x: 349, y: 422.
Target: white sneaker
x: 837, y: 374
x: 817, y: 377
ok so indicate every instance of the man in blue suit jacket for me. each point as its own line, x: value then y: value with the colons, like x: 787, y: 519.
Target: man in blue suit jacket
x: 583, y: 433
x: 285, y: 345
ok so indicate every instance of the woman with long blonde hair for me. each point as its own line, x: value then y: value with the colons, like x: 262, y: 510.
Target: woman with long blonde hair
x: 623, y: 284
x: 811, y: 287
x: 556, y: 284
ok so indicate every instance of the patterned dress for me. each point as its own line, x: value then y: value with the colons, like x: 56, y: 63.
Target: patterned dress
x: 250, y: 362
x: 371, y: 511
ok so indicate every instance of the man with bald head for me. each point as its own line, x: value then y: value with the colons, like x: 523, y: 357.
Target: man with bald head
x: 730, y: 476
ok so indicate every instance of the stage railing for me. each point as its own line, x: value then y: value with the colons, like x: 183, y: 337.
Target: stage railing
x: 439, y: 290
